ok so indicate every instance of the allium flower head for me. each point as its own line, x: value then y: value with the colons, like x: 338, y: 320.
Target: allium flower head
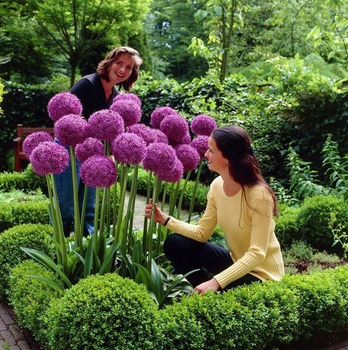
x: 185, y: 140
x: 105, y: 125
x: 144, y: 131
x: 159, y: 158
x: 159, y: 114
x: 188, y: 156
x: 62, y: 104
x: 200, y: 143
x: 174, y: 174
x: 128, y: 110
x: 128, y: 97
x: 33, y: 140
x: 175, y: 127
x: 129, y: 149
x: 88, y: 148
x: 49, y: 158
x: 161, y: 136
x: 70, y: 129
x: 98, y: 171
x: 203, y: 124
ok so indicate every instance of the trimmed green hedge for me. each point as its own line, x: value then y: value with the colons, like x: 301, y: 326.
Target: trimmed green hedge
x: 109, y: 312
x: 27, y: 235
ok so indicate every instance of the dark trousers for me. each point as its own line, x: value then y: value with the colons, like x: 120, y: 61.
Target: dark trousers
x: 186, y: 255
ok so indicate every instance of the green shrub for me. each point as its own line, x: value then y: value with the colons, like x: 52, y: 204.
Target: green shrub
x: 103, y: 312
x: 30, y: 297
x: 27, y: 235
x: 314, y: 220
x: 12, y: 214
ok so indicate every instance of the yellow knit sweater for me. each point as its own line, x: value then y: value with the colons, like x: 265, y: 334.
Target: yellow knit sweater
x: 248, y: 225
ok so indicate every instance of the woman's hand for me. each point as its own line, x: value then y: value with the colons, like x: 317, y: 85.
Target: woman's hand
x: 205, y: 286
x: 159, y: 216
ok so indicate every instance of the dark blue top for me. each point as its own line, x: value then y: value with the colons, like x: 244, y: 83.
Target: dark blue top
x: 90, y: 91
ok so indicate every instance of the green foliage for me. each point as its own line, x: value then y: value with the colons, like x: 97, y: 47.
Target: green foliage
x: 314, y: 220
x: 102, y: 312
x: 27, y: 235
x: 30, y: 297
x: 12, y: 214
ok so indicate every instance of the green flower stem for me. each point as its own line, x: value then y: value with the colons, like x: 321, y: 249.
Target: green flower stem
x: 195, y: 190
x: 103, y: 210
x: 96, y: 216
x: 83, y: 209
x: 132, y: 198
x: 59, y: 226
x: 114, y: 209
x: 148, y: 191
x: 77, y: 224
x: 182, y: 193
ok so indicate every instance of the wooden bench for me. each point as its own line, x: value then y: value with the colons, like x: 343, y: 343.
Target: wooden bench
x: 20, y: 160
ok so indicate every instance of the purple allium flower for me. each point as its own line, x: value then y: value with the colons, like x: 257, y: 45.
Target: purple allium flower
x: 129, y: 149
x: 159, y: 158
x: 175, y: 127
x: 98, y: 171
x: 174, y: 174
x: 128, y: 97
x: 128, y: 110
x: 62, y: 104
x: 89, y: 147
x: 49, y: 158
x: 161, y: 136
x: 33, y: 140
x: 159, y: 114
x: 188, y: 156
x: 186, y: 140
x: 203, y: 124
x: 70, y: 129
x: 200, y: 143
x: 105, y: 125
x: 144, y: 131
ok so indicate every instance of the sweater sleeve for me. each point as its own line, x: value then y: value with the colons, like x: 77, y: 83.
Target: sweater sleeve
x: 260, y: 209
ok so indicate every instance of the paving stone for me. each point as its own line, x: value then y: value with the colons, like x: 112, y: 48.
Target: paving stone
x: 14, y: 347
x: 8, y: 338
x: 23, y: 345
x: 7, y: 319
x: 16, y: 332
x: 2, y: 325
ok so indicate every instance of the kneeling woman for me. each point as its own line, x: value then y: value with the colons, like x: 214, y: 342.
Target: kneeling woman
x: 242, y: 203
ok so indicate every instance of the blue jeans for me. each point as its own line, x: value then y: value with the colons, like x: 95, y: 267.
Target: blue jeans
x: 186, y: 255
x: 66, y: 201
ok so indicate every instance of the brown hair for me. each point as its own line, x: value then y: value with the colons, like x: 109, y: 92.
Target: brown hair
x: 235, y: 145
x: 104, y: 66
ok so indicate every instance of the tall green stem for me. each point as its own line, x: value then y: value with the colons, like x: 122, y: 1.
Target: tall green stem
x: 195, y: 190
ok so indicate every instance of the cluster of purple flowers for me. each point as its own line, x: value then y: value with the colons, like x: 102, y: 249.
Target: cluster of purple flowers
x: 165, y: 148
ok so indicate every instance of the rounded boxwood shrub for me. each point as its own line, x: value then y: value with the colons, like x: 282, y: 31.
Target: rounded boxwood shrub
x: 36, y: 236
x: 314, y: 221
x: 30, y: 297
x: 103, y: 312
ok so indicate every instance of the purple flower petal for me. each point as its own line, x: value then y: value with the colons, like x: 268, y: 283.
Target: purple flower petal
x: 128, y: 97
x: 159, y: 114
x: 200, y: 143
x: 129, y: 149
x: 88, y: 148
x: 186, y: 140
x: 98, y: 171
x: 144, y: 131
x: 174, y: 174
x: 161, y: 136
x: 175, y: 127
x: 33, y: 140
x: 159, y: 158
x: 128, y: 110
x: 62, y: 104
x: 49, y: 158
x: 70, y: 129
x: 203, y: 125
x: 188, y: 156
x: 105, y: 125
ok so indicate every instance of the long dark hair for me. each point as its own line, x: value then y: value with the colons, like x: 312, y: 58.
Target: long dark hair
x: 235, y: 145
x: 105, y: 64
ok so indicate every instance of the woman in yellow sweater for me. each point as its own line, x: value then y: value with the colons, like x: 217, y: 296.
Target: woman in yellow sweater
x: 242, y: 203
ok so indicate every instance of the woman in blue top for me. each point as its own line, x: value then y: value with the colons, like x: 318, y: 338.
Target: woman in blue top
x: 96, y: 91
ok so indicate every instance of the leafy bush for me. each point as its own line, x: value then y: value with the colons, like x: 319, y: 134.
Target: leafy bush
x: 27, y: 235
x: 103, y: 312
x: 12, y: 214
x: 30, y: 297
x: 314, y: 220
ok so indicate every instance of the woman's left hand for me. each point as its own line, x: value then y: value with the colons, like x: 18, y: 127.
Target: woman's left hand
x: 205, y: 286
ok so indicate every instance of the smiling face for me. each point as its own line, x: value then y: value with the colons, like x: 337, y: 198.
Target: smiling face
x: 121, y: 69
x: 216, y: 161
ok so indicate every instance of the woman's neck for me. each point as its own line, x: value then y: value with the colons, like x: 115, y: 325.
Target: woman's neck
x: 107, y: 89
x: 231, y: 187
